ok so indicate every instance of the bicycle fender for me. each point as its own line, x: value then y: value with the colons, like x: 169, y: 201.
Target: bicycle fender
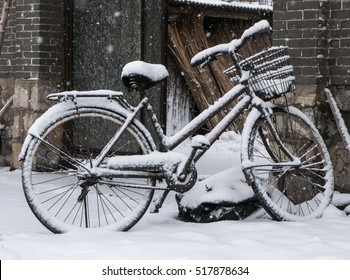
x: 62, y: 109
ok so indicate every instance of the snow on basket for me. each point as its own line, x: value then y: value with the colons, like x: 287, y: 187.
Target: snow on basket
x: 272, y: 74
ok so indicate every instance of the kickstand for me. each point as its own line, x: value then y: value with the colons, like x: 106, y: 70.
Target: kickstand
x: 158, y: 202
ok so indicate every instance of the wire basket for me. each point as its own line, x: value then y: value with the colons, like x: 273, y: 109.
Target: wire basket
x: 271, y: 75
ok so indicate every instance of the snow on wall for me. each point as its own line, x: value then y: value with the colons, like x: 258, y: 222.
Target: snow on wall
x: 231, y: 4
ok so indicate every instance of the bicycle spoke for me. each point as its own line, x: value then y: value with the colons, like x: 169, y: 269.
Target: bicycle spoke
x: 52, y: 180
x: 62, y: 154
x: 76, y: 214
x: 59, y: 195
x: 104, y: 200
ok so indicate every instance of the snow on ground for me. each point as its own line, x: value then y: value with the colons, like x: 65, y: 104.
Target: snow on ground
x: 164, y: 236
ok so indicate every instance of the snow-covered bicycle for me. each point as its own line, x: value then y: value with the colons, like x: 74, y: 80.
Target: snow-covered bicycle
x: 89, y: 163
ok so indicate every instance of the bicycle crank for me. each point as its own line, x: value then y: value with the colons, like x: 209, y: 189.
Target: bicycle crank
x: 183, y: 182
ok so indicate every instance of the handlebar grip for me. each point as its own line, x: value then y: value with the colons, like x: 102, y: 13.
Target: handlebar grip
x: 260, y: 27
x: 204, y: 57
x: 210, y: 54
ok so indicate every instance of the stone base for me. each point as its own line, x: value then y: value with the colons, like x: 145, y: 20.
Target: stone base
x: 7, y: 88
x: 312, y: 101
x: 29, y: 102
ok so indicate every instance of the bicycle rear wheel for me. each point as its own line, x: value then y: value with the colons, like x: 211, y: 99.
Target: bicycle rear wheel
x: 287, y: 191
x: 60, y: 197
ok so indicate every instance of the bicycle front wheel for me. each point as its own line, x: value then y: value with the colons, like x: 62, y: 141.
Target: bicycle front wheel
x: 60, y: 197
x: 294, y: 189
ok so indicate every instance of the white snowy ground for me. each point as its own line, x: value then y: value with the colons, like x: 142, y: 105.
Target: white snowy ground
x: 162, y: 236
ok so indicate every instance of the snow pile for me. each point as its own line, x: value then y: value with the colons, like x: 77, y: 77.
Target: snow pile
x: 223, y: 196
x: 231, y: 189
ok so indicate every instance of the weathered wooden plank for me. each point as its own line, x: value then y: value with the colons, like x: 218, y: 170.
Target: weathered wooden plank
x: 190, y: 34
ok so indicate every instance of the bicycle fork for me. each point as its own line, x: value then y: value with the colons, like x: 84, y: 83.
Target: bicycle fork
x: 278, y: 140
x: 293, y: 161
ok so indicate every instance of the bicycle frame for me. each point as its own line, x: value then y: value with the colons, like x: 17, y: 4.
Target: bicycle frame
x: 180, y: 172
x: 168, y: 143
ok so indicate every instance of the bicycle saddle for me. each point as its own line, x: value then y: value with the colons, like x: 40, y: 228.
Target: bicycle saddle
x: 140, y: 75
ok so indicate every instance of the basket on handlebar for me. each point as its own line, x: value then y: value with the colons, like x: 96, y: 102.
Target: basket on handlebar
x: 271, y: 75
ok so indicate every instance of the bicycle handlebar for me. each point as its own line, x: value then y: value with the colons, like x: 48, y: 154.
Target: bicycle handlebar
x: 206, y: 56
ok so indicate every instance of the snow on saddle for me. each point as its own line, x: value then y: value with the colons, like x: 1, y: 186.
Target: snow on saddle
x: 140, y: 75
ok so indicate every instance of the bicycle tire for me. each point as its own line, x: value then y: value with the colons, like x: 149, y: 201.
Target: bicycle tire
x: 287, y: 193
x: 61, y: 200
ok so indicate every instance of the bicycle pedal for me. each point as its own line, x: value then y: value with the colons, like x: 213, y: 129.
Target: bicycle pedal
x: 200, y: 142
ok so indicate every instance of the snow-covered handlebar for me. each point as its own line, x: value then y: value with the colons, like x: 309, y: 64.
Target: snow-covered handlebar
x: 206, y: 56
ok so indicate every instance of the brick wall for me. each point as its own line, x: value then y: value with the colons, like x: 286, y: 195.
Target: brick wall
x: 36, y: 39
x: 9, y: 45
x: 339, y: 43
x: 31, y: 65
x: 318, y: 35
x: 302, y: 25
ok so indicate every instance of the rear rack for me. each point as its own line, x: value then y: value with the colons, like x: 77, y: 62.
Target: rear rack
x: 69, y: 95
